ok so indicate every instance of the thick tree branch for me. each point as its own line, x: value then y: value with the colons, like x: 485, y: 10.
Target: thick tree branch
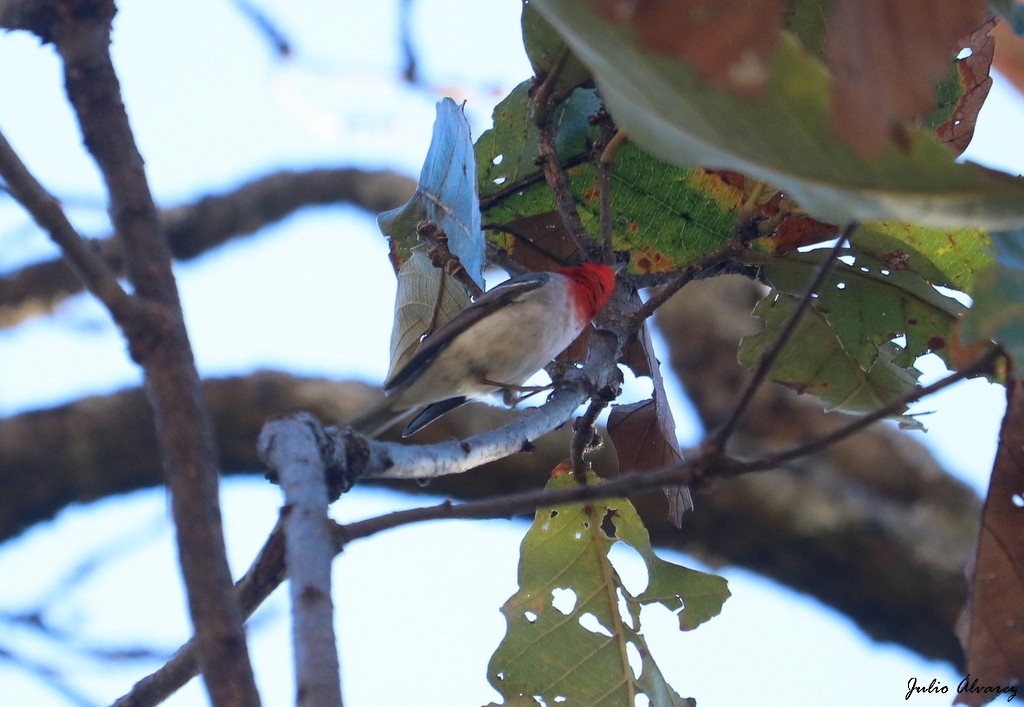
x: 81, y: 35
x: 873, y: 527
x: 193, y: 229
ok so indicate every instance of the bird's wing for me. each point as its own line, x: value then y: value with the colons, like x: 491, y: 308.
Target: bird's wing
x: 436, y: 342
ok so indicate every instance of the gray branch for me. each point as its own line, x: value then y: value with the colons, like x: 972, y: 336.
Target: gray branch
x: 292, y: 447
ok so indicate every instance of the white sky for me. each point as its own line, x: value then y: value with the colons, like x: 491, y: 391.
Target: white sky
x: 418, y: 607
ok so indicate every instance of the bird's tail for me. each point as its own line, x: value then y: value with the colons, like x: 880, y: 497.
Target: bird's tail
x: 384, y: 414
x: 378, y: 418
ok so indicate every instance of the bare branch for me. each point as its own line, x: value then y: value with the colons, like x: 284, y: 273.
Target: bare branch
x: 292, y: 448
x: 907, y: 519
x: 82, y: 38
x: 196, y: 228
x: 47, y: 212
x: 388, y: 460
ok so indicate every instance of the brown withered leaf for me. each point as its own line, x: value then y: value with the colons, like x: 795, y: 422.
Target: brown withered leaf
x: 730, y: 42
x: 798, y: 231
x: 886, y: 58
x: 991, y: 628
x: 644, y: 433
x: 974, y: 73
x: 540, y: 242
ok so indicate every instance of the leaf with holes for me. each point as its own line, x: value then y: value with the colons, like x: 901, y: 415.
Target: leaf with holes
x: 667, y: 216
x: 785, y: 139
x: 573, y: 627
x: 950, y: 258
x: 446, y: 194
x: 867, y: 305
x: 815, y: 361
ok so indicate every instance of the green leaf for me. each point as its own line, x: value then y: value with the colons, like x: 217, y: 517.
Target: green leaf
x: 545, y: 48
x: 785, y: 138
x: 998, y: 309
x: 948, y: 258
x: 815, y: 360
x: 867, y: 304
x: 666, y: 215
x: 446, y: 194
x: 567, y: 636
x: 417, y: 305
x: 507, y: 153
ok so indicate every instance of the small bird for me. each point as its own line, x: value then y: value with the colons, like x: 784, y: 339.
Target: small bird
x: 496, y: 343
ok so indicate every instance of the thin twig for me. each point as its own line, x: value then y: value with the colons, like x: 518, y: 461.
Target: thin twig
x: 443, y: 258
x: 584, y: 436
x: 983, y: 363
x: 544, y: 101
x: 769, y: 355
x: 559, y: 185
x: 46, y: 211
x: 605, y: 164
x: 691, y: 272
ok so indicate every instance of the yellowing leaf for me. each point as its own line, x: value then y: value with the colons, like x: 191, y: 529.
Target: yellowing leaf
x: 567, y: 633
x: 667, y: 215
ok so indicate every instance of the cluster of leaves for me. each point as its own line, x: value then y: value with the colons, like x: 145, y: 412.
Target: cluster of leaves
x: 766, y: 125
